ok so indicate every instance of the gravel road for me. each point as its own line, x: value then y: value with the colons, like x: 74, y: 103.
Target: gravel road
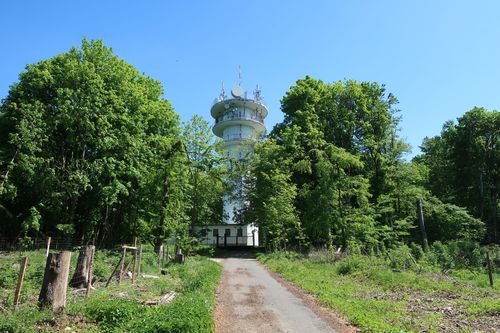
x: 251, y: 300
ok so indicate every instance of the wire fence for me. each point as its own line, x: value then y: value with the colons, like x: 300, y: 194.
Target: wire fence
x: 56, y: 243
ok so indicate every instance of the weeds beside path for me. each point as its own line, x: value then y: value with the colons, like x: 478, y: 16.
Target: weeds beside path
x: 118, y: 308
x: 378, y: 299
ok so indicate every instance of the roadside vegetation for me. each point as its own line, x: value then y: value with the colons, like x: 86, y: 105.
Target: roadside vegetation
x: 117, y: 308
x: 400, y: 290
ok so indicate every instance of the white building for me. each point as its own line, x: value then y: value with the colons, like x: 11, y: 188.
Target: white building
x: 239, y: 121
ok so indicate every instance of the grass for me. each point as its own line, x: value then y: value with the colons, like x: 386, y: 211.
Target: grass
x: 376, y: 298
x: 118, y: 308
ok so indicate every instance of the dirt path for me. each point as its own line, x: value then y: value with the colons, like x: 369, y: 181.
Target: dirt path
x: 251, y: 300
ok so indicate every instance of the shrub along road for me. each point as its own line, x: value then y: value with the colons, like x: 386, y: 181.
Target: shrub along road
x: 251, y: 300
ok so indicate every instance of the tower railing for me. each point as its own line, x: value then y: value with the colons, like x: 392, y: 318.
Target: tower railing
x: 238, y: 116
x: 239, y: 136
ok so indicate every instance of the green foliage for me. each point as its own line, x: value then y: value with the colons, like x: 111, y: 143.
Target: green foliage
x: 456, y: 254
x: 402, y: 258
x: 351, y: 264
x: 66, y: 229
x: 23, y: 320
x: 315, y: 181
x: 111, y: 314
x: 190, y: 314
x: 192, y: 310
x: 271, y: 197
x: 447, y: 222
x: 206, y: 173
x: 102, y: 136
x: 332, y: 173
x: 464, y: 164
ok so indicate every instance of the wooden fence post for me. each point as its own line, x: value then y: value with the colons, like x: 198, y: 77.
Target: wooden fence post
x: 140, y: 259
x: 122, y: 259
x: 55, y: 281
x: 133, y: 266
x: 124, y: 254
x: 48, y: 246
x: 490, y: 269
x: 166, y: 250
x: 91, y: 272
x: 20, y: 280
x: 160, y: 251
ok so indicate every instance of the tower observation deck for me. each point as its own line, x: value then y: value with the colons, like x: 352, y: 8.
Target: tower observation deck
x: 239, y: 121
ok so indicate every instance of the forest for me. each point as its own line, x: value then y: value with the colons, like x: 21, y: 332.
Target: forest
x: 90, y: 149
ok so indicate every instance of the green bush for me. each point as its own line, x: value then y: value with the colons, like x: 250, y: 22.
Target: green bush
x: 456, y: 254
x: 9, y: 275
x: 9, y: 326
x: 111, y: 313
x: 401, y: 258
x: 351, y: 264
x: 204, y: 250
x: 187, y: 314
x: 439, y: 255
x: 103, y: 263
x: 417, y: 251
x: 149, y: 262
x: 465, y: 253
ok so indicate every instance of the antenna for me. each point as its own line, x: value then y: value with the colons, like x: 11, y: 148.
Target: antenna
x: 222, y: 95
x: 257, y: 94
x: 239, y: 75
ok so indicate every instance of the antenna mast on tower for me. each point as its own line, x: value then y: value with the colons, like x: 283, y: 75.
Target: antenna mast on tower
x: 239, y: 75
x: 257, y: 94
x: 222, y: 95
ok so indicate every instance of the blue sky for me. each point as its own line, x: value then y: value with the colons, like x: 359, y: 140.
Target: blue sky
x: 440, y: 58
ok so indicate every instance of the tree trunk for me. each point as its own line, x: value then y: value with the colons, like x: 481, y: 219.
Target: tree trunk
x: 55, y: 281
x: 420, y: 215
x: 81, y: 275
x: 164, y: 201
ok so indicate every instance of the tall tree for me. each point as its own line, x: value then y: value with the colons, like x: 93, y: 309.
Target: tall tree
x: 341, y: 140
x: 80, y: 134
x: 270, y: 196
x: 206, y: 172
x: 358, y: 117
x: 464, y: 164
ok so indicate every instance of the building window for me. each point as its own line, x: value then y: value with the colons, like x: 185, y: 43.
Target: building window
x: 215, y: 232
x: 240, y: 232
x: 228, y: 232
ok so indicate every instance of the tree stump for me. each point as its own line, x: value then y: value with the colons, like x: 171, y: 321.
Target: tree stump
x: 81, y: 276
x: 55, y: 281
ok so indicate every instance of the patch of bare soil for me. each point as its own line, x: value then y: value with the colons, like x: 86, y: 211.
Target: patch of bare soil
x: 223, y: 309
x: 334, y: 319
